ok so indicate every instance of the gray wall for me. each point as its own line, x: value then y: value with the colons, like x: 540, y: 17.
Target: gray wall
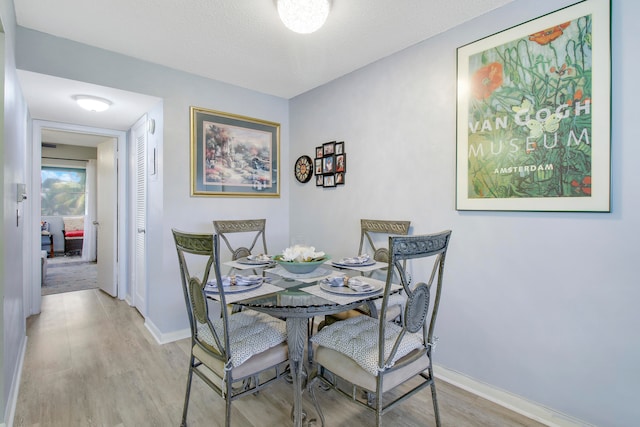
x: 542, y: 305
x: 13, y: 157
x: 169, y: 200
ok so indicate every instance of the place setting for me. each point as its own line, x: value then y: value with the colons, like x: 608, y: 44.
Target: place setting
x: 362, y: 262
x: 349, y: 286
x: 251, y: 262
x: 238, y: 287
x: 341, y: 289
x: 235, y: 283
x: 256, y: 260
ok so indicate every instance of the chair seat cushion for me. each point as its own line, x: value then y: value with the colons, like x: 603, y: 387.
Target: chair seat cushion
x: 250, y: 333
x: 73, y: 234
x: 256, y: 363
x: 357, y: 338
x: 345, y: 367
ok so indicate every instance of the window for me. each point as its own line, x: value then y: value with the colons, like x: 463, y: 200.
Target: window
x: 63, y: 191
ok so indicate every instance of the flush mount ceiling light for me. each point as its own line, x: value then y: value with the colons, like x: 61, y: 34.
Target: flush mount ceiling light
x: 303, y: 16
x: 92, y: 103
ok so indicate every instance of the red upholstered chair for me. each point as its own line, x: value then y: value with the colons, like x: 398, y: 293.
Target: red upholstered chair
x: 73, y: 232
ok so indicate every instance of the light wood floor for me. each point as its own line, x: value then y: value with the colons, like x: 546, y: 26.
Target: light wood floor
x: 91, y: 362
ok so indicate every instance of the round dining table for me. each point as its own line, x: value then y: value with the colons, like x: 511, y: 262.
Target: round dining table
x: 297, y: 307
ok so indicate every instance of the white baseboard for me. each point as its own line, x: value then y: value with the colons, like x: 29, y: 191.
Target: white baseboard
x: 127, y: 298
x: 162, y: 338
x: 10, y: 411
x: 508, y: 400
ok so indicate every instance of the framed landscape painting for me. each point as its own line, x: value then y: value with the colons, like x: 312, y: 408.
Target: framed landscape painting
x: 233, y: 155
x: 533, y: 115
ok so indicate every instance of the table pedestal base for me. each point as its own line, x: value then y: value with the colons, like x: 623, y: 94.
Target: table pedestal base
x: 297, y: 333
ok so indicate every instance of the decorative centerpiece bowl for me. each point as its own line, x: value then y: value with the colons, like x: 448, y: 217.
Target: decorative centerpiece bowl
x: 301, y: 259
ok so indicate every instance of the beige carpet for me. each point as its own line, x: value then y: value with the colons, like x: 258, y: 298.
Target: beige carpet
x: 67, y: 274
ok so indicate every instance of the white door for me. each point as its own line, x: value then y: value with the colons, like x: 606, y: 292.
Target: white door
x: 106, y: 214
x: 139, y: 285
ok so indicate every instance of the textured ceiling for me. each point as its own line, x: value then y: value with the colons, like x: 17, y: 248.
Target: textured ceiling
x: 243, y: 42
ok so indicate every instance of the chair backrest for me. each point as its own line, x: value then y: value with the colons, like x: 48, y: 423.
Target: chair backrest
x: 73, y: 223
x: 369, y: 228
x: 431, y: 249
x: 255, y: 226
x: 199, y: 252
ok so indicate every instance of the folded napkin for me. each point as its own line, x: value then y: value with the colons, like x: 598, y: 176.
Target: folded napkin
x: 359, y: 285
x: 237, y: 280
x: 336, y: 281
x: 226, y: 281
x: 353, y: 283
x: 360, y: 259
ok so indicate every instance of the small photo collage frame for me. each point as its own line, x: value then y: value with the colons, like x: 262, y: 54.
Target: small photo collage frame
x: 330, y: 164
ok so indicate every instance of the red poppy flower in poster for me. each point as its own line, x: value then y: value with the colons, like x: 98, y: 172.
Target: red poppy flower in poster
x: 486, y: 80
x: 550, y: 34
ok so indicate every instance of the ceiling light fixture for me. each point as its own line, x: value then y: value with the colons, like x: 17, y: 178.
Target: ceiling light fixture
x: 92, y: 103
x: 303, y: 16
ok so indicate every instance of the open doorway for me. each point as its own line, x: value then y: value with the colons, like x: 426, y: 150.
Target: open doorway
x: 68, y: 197
x: 52, y: 105
x: 107, y: 267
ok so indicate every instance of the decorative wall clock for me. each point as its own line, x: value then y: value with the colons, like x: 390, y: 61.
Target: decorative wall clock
x: 303, y: 169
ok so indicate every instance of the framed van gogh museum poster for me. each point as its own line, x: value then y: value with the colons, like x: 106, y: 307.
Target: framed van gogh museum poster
x: 533, y: 115
x: 233, y: 155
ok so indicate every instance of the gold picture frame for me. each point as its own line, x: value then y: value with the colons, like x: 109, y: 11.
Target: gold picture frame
x: 233, y: 155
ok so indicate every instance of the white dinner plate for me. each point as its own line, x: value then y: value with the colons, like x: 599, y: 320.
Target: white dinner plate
x: 347, y: 291
x: 232, y: 289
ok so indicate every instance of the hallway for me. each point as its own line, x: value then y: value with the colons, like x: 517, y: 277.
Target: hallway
x: 68, y: 274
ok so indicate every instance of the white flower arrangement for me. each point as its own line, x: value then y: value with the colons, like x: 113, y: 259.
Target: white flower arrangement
x: 301, y: 253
